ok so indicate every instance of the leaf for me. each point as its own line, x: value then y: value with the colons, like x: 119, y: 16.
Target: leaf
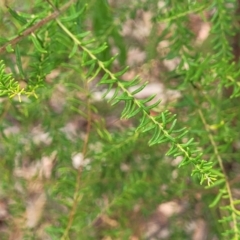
x: 182, y: 134
x: 110, y: 61
x: 139, y: 89
x: 172, y: 126
x: 19, y: 61
x: 155, y: 137
x: 82, y: 35
x: 19, y: 18
x: 179, y: 130
x: 124, y: 96
x: 74, y: 16
x: 74, y: 50
x: 172, y: 151
x: 127, y: 109
x: 144, y: 121
x: 88, y: 41
x: 131, y: 83
x: 133, y: 113
x: 148, y: 99
x: 153, y: 105
x: 216, y: 183
x: 216, y: 199
x: 120, y: 73
x: 187, y: 143
x: 37, y: 44
x: 91, y: 69
x: 9, y: 48
x: 148, y: 128
x: 99, y: 49
x: 163, y: 118
x: 162, y: 140
x: 89, y: 62
x: 109, y: 81
x: 114, y: 95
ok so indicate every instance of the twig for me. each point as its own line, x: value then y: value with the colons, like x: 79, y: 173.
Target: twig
x: 77, y: 196
x: 33, y: 28
x: 227, y: 183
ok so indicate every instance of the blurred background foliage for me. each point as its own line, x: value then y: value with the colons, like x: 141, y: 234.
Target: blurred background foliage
x: 125, y: 189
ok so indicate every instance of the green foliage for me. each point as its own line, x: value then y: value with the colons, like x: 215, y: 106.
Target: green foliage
x: 10, y: 87
x: 61, y: 55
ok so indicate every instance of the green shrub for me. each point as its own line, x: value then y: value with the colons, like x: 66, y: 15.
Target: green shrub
x: 78, y: 167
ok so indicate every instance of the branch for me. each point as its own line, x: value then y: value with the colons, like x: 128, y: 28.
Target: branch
x: 77, y: 196
x: 30, y: 30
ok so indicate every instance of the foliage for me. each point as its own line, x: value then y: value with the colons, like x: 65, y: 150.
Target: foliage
x: 99, y: 172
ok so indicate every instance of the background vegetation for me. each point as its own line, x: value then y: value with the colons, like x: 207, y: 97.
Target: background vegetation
x: 86, y: 150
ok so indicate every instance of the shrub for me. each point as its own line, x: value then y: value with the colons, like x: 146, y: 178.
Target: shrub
x: 79, y: 166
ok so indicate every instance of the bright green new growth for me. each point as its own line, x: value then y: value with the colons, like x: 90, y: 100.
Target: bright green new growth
x: 10, y: 87
x: 62, y: 41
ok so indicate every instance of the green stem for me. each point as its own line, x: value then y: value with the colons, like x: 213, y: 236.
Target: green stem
x: 121, y: 86
x: 220, y: 162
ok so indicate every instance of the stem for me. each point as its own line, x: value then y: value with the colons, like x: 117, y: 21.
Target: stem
x: 77, y: 196
x: 41, y: 23
x: 220, y: 162
x: 139, y: 105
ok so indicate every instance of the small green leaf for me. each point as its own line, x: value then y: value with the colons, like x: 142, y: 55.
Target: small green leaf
x: 91, y: 69
x: 110, y: 61
x: 163, y: 118
x: 73, y: 16
x: 216, y: 200
x: 89, y: 62
x: 127, y: 108
x: 88, y: 41
x: 82, y: 35
x: 109, y: 81
x: 74, y: 50
x: 216, y: 183
x: 99, y: 49
x: 182, y: 134
x: 133, y: 113
x: 153, y: 105
x: 187, y: 143
x: 130, y: 83
x: 139, y: 89
x: 19, y: 18
x: 114, y: 95
x: 37, y: 44
x: 109, y: 89
x: 19, y: 61
x: 120, y: 73
x: 172, y: 126
x: 9, y: 48
x: 144, y: 122
x: 155, y: 137
x: 124, y: 96
x: 171, y: 151
x: 179, y: 130
x: 162, y: 140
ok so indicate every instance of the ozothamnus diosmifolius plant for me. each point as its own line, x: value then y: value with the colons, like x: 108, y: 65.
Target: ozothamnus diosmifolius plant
x: 76, y: 167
